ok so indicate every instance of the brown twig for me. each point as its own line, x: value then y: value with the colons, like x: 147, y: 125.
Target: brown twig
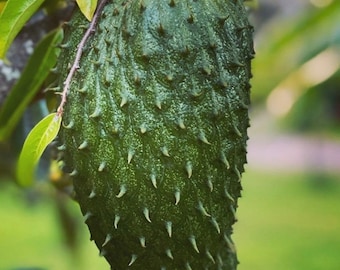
x: 75, y: 66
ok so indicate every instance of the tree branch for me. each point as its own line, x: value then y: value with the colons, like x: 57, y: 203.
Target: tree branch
x: 75, y: 66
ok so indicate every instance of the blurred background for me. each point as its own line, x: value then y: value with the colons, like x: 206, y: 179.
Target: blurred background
x: 289, y: 215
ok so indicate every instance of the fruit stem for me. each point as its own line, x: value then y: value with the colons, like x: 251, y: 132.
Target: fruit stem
x: 80, y: 47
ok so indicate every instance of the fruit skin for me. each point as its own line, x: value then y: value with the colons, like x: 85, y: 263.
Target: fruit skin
x: 155, y: 129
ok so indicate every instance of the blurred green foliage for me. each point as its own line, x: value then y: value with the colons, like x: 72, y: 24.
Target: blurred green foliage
x: 322, y: 102
x: 297, y: 68
x: 285, y: 44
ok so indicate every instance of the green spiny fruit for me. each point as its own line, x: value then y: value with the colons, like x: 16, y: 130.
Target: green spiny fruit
x: 155, y: 130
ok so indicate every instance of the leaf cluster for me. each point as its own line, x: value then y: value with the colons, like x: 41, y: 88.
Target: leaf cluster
x: 13, y: 16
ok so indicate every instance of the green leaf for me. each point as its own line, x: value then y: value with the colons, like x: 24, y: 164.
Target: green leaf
x: 13, y: 17
x: 87, y: 7
x: 2, y: 5
x: 38, y: 67
x: 35, y: 144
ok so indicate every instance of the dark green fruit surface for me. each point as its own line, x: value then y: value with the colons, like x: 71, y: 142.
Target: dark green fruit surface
x: 155, y: 129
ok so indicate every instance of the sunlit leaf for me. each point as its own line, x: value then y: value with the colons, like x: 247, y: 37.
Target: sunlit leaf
x: 38, y: 67
x: 35, y: 144
x: 12, y: 18
x: 87, y: 7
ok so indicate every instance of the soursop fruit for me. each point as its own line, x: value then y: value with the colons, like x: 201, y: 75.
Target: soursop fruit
x: 155, y: 129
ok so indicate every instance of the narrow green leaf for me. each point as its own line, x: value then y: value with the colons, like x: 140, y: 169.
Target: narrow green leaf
x: 87, y: 7
x: 38, y: 67
x: 35, y: 144
x: 12, y: 18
